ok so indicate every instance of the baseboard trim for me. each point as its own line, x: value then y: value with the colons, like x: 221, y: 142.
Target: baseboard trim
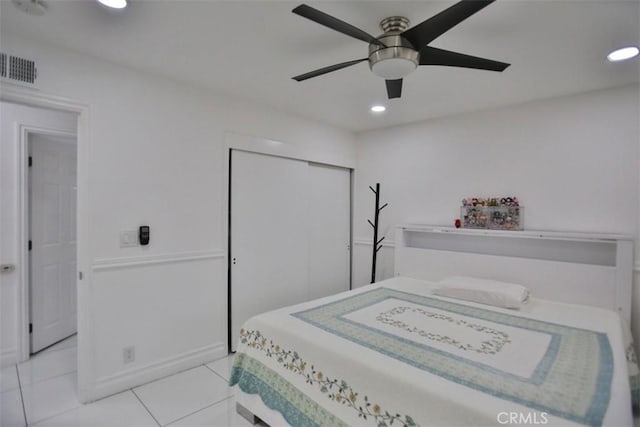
x: 140, y: 375
x: 141, y: 261
x: 8, y: 357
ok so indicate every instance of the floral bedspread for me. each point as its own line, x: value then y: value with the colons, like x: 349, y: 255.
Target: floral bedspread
x: 393, y: 354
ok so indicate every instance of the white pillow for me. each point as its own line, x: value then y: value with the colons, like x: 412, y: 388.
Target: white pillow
x: 484, y: 291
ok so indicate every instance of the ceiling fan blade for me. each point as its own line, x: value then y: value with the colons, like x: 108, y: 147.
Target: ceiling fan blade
x: 394, y: 88
x: 427, y: 31
x: 335, y: 24
x: 326, y: 70
x: 434, y: 56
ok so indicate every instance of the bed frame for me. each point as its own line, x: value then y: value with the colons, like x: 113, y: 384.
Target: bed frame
x: 579, y: 268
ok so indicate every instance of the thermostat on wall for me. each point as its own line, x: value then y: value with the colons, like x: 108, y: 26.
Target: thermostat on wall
x: 143, y: 234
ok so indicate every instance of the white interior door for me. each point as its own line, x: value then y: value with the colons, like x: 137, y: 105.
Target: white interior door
x: 52, y: 212
x: 329, y: 230
x: 268, y: 229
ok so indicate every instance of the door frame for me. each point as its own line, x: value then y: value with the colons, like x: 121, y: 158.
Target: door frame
x: 24, y: 132
x: 24, y: 96
x: 258, y: 145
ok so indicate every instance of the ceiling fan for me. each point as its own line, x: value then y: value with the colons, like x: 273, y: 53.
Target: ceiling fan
x: 398, y: 51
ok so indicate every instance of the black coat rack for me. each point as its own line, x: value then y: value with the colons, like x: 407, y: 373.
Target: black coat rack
x: 376, y: 243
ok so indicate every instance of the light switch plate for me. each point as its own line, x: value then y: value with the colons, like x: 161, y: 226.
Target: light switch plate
x: 129, y: 239
x: 7, y: 268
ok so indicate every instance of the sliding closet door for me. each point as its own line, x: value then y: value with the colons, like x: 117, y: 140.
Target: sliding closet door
x: 268, y: 201
x: 329, y: 230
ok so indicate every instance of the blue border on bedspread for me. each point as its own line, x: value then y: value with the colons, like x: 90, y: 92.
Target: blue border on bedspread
x: 252, y: 384
x: 572, y: 380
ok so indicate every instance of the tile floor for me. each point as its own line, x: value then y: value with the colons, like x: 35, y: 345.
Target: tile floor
x: 42, y: 392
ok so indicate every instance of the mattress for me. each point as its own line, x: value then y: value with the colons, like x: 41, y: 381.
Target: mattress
x: 393, y: 353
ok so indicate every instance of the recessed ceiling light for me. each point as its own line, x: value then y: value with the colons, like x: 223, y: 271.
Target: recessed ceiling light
x: 623, y: 53
x: 115, y: 4
x: 378, y: 109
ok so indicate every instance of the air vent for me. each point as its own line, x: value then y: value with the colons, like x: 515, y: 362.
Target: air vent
x: 15, y: 69
x: 3, y: 65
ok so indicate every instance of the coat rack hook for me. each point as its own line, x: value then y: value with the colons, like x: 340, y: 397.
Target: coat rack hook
x: 376, y: 243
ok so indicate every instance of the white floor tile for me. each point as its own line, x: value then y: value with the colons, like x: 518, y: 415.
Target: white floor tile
x: 223, y: 366
x: 122, y: 409
x: 11, y: 413
x: 182, y: 394
x: 48, y: 365
x: 50, y: 397
x: 8, y: 378
x: 220, y: 414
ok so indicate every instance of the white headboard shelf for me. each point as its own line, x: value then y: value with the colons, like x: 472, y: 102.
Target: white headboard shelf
x: 582, y: 268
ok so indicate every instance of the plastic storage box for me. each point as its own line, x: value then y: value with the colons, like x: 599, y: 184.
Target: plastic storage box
x: 493, y: 217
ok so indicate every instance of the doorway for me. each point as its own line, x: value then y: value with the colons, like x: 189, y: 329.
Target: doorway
x: 52, y: 188
x: 25, y: 111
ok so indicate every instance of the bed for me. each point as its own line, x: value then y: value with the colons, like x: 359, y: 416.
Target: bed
x: 394, y: 353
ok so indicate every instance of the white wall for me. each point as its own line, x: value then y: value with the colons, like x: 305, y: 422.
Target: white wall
x: 573, y: 162
x: 11, y: 116
x: 156, y: 153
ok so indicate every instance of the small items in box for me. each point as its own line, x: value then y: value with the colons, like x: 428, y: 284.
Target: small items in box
x: 506, y: 218
x: 493, y: 213
x: 493, y: 201
x: 473, y: 217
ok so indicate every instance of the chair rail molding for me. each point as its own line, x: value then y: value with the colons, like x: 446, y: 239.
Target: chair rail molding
x: 360, y: 241
x: 101, y: 264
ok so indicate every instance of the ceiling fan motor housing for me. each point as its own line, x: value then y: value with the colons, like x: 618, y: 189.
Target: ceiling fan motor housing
x: 398, y: 58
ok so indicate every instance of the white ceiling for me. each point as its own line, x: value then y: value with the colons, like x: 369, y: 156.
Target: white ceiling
x: 251, y: 50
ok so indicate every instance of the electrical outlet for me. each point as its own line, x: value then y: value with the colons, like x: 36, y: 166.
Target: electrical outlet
x: 129, y: 354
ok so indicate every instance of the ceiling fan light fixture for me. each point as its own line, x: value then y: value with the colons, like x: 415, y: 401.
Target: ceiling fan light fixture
x: 395, y: 61
x: 393, y: 68
x: 114, y: 4
x: 623, y: 54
